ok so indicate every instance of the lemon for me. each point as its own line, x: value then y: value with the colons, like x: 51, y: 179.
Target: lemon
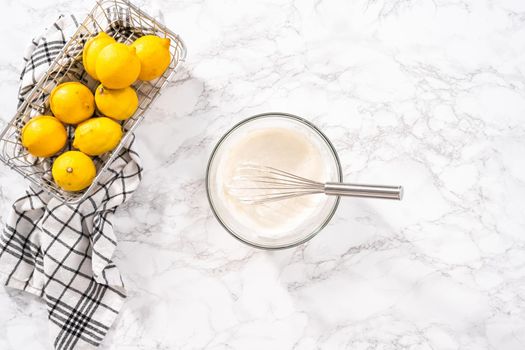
x: 97, y: 136
x: 117, y: 66
x: 91, y: 51
x: 154, y: 55
x: 44, y: 136
x: 117, y: 104
x: 73, y: 171
x: 72, y: 102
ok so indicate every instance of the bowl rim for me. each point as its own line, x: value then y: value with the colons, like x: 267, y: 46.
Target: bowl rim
x: 249, y: 120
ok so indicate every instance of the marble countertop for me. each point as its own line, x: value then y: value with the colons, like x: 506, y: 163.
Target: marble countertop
x: 428, y: 94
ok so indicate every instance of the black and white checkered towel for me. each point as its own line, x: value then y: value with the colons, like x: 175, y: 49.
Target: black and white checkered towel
x: 64, y: 253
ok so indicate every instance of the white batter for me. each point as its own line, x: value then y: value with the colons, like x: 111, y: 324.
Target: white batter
x: 283, y: 148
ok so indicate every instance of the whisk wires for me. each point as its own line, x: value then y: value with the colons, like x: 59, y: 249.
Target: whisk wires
x: 259, y: 184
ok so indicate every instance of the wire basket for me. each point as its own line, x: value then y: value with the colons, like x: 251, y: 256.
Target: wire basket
x: 125, y: 22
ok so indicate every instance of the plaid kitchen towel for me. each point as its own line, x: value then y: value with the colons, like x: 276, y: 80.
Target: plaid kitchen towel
x: 64, y: 253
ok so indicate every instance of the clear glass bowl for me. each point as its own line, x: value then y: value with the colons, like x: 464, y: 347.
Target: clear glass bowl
x: 294, y: 235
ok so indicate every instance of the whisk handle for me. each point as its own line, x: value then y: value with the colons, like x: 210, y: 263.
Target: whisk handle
x: 368, y: 191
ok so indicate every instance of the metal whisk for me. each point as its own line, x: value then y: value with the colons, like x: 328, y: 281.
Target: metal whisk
x: 258, y: 184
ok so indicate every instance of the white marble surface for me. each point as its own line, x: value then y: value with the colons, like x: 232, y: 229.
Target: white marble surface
x: 429, y: 94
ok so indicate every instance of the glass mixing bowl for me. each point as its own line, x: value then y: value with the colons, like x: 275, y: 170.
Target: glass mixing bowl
x: 296, y: 234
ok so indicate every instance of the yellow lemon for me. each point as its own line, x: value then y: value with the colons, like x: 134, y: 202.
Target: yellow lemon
x: 72, y: 102
x: 97, y: 136
x: 92, y: 49
x: 44, y: 136
x: 73, y: 171
x: 117, y: 104
x: 117, y: 66
x: 154, y: 56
